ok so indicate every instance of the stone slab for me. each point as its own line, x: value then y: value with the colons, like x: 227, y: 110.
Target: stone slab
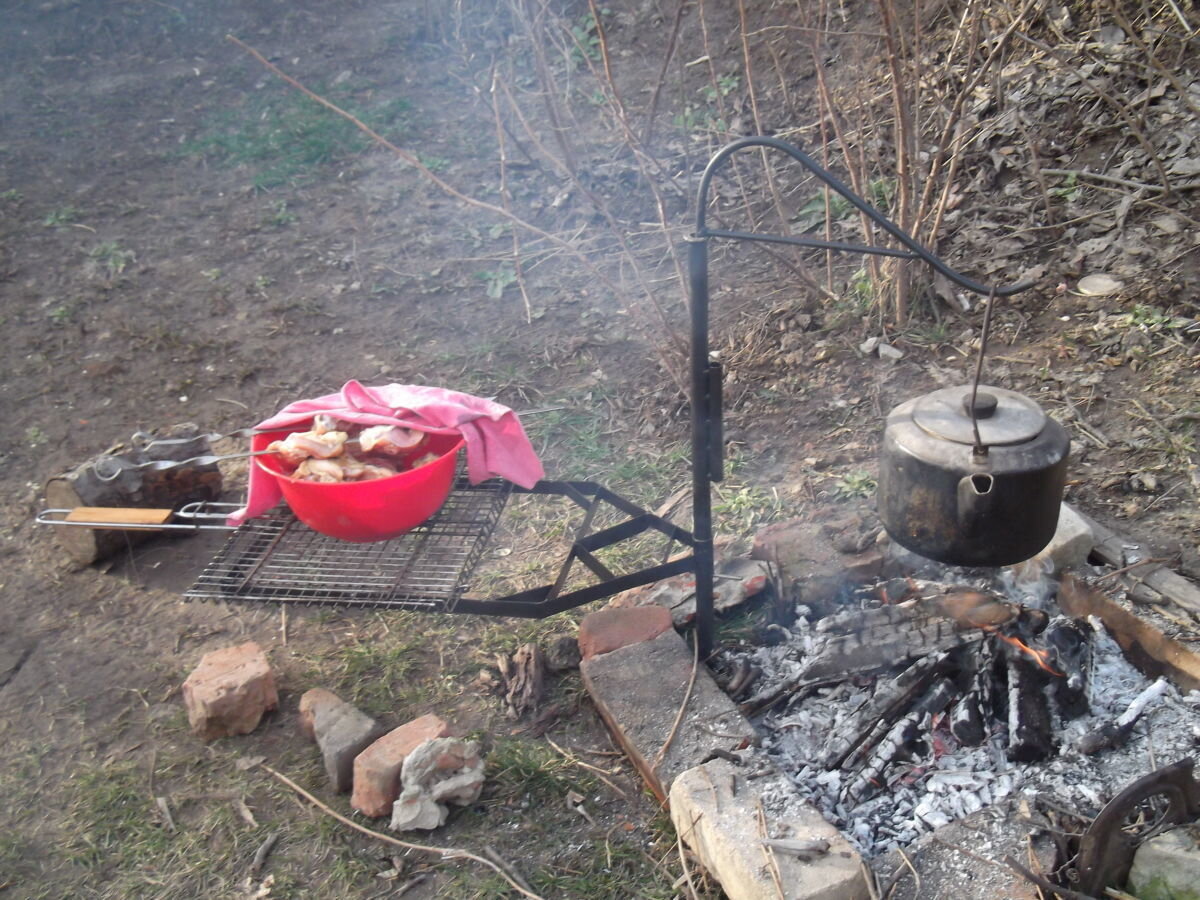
x: 737, y: 580
x: 638, y: 691
x: 714, y: 807
x: 821, y: 560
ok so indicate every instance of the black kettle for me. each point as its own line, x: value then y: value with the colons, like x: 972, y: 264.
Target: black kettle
x: 972, y: 490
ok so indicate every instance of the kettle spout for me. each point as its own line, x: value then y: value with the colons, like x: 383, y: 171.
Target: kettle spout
x: 976, y: 499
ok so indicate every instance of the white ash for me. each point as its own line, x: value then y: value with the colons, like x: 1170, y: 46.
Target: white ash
x: 952, y: 781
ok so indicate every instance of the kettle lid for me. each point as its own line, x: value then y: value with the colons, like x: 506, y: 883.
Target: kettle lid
x: 1004, y: 417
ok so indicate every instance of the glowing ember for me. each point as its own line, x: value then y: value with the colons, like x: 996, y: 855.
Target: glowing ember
x: 1041, y: 657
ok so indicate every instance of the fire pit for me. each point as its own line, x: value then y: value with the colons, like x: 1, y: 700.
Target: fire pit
x: 906, y: 704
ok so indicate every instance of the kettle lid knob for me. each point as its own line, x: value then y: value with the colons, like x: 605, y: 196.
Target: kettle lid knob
x: 985, y: 404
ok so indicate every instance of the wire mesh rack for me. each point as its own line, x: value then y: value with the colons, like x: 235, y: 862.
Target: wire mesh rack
x: 277, y: 559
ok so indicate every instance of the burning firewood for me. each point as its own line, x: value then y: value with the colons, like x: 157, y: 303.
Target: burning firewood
x: 1069, y: 648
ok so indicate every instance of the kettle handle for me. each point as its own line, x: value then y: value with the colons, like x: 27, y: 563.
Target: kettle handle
x: 976, y: 500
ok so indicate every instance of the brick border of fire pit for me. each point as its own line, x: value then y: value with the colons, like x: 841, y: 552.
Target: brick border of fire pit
x: 639, y: 690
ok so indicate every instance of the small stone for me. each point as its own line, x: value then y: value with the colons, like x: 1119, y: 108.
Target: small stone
x: 562, y: 654
x: 606, y: 630
x: 377, y: 769
x: 890, y: 353
x: 1168, y: 866
x: 229, y: 692
x: 1098, y: 285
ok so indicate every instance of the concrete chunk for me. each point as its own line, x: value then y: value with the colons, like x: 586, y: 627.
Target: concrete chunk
x: 341, y: 731
x: 435, y: 774
x: 229, y: 691
x: 638, y: 691
x: 715, y: 810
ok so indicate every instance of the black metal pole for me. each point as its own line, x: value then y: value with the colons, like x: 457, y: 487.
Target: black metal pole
x: 702, y: 456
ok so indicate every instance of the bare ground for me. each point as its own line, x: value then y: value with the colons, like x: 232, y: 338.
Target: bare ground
x: 149, y: 274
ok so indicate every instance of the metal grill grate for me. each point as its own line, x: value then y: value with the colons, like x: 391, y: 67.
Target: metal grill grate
x: 275, y: 558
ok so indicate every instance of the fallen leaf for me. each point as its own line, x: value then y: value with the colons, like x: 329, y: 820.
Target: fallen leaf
x: 1167, y: 224
x: 1188, y: 165
x: 1098, y: 285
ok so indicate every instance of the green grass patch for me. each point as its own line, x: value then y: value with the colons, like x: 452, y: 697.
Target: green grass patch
x: 288, y: 138
x: 522, y: 770
x: 582, y: 444
x: 116, y: 824
x: 60, y: 216
x: 391, y: 665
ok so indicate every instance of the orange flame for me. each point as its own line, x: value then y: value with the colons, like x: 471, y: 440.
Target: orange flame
x: 1041, y: 657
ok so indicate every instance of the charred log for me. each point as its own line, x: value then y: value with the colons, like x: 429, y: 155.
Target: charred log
x: 874, y: 650
x: 888, y: 704
x: 1070, y: 648
x: 970, y: 716
x: 1030, y: 735
x: 899, y: 738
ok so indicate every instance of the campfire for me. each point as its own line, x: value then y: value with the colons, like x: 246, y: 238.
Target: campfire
x: 905, y: 705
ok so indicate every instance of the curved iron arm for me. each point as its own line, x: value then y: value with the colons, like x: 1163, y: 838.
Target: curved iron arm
x: 916, y: 251
x: 707, y: 441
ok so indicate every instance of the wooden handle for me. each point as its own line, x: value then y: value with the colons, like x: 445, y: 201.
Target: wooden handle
x: 119, y: 516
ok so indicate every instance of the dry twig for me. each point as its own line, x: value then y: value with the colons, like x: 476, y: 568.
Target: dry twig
x: 443, y: 852
x: 687, y: 696
x: 260, y: 855
x: 595, y: 770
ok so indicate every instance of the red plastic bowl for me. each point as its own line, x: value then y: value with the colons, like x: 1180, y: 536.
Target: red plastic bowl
x: 365, y: 511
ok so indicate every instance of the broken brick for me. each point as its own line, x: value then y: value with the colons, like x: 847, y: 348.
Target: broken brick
x: 229, y: 692
x: 606, y: 630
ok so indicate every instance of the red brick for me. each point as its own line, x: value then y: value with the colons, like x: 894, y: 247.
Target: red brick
x: 610, y: 629
x: 229, y: 691
x: 377, y: 769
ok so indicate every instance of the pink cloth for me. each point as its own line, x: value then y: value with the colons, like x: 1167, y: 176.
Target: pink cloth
x: 496, y: 442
